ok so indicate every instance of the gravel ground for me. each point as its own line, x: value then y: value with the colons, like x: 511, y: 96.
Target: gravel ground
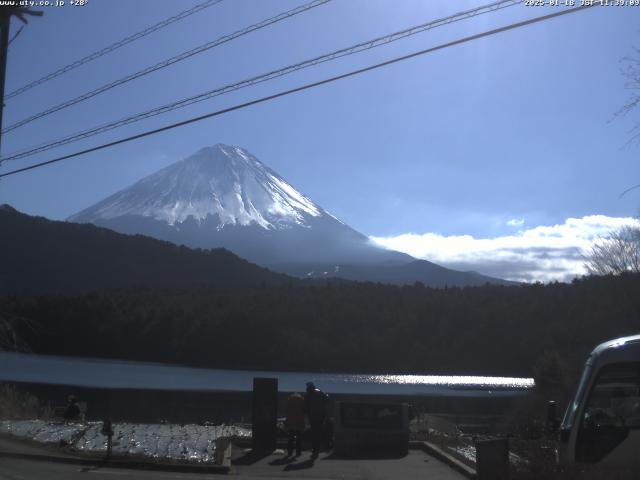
x: 193, y: 443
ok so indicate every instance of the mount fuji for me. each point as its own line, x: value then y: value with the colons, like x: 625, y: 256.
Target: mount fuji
x: 222, y: 196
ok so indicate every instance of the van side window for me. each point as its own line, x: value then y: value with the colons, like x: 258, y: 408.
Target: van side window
x: 570, y: 414
x: 612, y: 408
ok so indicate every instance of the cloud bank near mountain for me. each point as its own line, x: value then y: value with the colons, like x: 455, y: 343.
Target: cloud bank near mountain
x: 542, y: 253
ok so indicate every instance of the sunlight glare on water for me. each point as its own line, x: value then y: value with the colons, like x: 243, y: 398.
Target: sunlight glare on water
x: 447, y: 380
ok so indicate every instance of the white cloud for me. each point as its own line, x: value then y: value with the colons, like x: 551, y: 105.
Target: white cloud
x: 515, y: 222
x: 543, y: 253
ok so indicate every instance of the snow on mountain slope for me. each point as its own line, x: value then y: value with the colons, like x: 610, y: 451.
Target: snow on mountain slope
x: 223, y: 181
x: 222, y: 196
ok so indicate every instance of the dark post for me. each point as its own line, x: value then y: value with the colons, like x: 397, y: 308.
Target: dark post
x: 107, y: 430
x: 552, y: 417
x: 492, y: 459
x: 107, y: 425
x: 264, y: 413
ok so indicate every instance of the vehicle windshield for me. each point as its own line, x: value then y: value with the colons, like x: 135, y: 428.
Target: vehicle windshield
x: 615, y: 397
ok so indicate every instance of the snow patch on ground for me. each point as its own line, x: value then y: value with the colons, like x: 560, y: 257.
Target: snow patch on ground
x: 468, y: 452
x: 193, y: 443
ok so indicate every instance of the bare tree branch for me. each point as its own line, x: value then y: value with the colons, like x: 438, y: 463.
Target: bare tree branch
x: 630, y: 70
x: 616, y: 254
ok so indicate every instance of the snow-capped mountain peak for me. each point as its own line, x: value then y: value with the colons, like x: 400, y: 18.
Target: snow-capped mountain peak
x: 224, y: 197
x: 221, y: 181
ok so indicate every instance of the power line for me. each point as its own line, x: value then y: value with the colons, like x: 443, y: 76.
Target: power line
x: 629, y: 190
x: 114, y: 46
x: 367, y: 45
x: 169, y: 61
x: 303, y: 87
x: 15, y: 35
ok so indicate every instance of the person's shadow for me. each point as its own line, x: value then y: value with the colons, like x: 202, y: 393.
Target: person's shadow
x: 308, y: 463
x: 251, y: 457
x: 282, y: 461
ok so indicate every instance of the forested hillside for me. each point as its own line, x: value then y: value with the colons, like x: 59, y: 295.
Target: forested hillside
x: 490, y: 330
x: 37, y: 254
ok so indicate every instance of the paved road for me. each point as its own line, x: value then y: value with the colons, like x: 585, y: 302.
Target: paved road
x: 11, y: 445
x: 11, y: 469
x: 416, y: 465
x: 413, y: 466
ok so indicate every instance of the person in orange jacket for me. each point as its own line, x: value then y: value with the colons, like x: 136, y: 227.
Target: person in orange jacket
x: 294, y: 423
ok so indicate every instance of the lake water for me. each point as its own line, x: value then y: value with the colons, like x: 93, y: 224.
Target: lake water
x: 101, y: 373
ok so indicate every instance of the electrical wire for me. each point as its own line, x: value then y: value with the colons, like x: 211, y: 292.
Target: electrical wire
x: 114, y: 46
x: 360, y: 47
x: 15, y: 35
x: 303, y: 87
x: 170, y: 61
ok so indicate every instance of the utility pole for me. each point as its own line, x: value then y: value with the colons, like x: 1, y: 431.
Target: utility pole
x: 4, y: 46
x: 5, y: 24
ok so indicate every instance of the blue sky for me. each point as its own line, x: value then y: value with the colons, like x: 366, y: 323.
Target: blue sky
x: 490, y: 140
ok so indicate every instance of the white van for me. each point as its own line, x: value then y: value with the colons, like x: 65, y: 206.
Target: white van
x: 601, y: 426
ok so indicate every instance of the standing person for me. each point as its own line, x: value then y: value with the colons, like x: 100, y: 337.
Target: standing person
x: 315, y: 404
x: 295, y: 422
x: 72, y: 412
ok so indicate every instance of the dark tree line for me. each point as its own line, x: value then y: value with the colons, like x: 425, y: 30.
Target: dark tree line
x: 364, y: 327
